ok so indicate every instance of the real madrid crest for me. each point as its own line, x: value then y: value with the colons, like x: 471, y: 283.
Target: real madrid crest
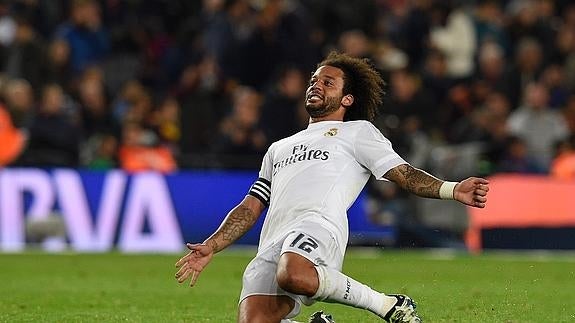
x: 332, y: 132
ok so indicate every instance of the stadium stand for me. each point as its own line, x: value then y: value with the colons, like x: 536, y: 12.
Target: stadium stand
x: 474, y: 87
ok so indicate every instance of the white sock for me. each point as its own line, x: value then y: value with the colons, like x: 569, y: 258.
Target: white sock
x: 336, y: 287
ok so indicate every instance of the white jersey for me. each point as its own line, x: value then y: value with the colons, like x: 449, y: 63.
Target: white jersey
x: 315, y: 176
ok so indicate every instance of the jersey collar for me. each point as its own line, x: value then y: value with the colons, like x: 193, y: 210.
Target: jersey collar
x: 322, y: 123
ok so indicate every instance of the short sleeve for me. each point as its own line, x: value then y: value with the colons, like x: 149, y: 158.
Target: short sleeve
x: 267, y: 165
x: 374, y: 151
x: 261, y: 188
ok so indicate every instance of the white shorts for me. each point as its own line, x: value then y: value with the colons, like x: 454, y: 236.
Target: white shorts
x: 310, y: 241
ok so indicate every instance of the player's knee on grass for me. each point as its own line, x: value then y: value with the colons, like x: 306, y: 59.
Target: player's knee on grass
x: 296, y: 274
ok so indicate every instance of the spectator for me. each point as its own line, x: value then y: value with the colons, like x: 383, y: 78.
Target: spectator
x: 564, y: 45
x: 563, y: 166
x: 7, y: 24
x: 105, y: 153
x: 489, y: 24
x: 225, y: 34
x: 528, y: 20
x: 19, y: 99
x: 140, y: 151
x: 130, y: 93
x: 553, y: 77
x: 491, y: 65
x: 161, y: 59
x: 526, y: 68
x: 537, y: 125
x: 408, y: 99
x: 387, y: 57
x: 408, y: 28
x: 517, y: 160
x: 58, y: 68
x: 279, y: 36
x: 496, y: 109
x: 95, y: 112
x: 12, y: 139
x: 435, y: 76
x: 167, y: 123
x: 458, y: 105
x: 325, y: 12
x: 54, y: 138
x: 239, y: 133
x: 356, y: 44
x: 203, y: 98
x: 85, y: 34
x: 280, y: 105
x: 455, y: 38
x: 24, y: 58
x: 568, y: 113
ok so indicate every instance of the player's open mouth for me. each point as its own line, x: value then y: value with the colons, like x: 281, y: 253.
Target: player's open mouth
x: 314, y: 97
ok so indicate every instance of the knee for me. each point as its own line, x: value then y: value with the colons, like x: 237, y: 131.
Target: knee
x: 301, y: 280
x: 289, y: 280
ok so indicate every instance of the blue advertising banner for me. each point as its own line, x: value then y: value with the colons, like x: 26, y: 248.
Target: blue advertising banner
x: 144, y: 212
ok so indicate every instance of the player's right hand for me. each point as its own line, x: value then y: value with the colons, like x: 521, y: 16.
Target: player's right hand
x: 194, y: 262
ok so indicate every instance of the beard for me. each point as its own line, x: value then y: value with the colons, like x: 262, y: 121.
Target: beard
x: 325, y: 108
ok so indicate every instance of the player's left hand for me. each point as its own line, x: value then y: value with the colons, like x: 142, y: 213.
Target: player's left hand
x: 472, y: 191
x: 194, y: 262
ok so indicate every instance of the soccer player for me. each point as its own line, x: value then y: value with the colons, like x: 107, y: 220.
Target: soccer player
x: 307, y: 182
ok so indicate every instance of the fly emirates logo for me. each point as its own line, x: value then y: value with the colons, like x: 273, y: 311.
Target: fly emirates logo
x: 301, y: 153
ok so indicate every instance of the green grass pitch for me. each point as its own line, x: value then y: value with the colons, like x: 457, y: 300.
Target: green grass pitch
x: 38, y: 287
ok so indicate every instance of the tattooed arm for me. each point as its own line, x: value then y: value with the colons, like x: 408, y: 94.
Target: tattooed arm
x: 415, y: 180
x: 238, y: 221
x: 471, y: 191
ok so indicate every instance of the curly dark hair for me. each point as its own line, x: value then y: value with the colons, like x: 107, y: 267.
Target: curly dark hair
x: 362, y: 81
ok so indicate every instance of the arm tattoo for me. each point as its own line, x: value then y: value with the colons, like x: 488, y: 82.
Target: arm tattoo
x: 415, y: 180
x: 236, y: 224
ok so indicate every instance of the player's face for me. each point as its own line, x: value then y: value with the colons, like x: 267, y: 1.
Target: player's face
x: 325, y: 91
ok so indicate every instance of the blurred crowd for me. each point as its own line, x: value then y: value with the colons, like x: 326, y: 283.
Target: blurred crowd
x: 166, y: 85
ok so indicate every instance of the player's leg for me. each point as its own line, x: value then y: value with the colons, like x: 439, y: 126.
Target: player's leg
x: 273, y: 309
x: 310, y: 266
x: 264, y: 308
x: 334, y: 286
x: 261, y: 299
x: 298, y: 275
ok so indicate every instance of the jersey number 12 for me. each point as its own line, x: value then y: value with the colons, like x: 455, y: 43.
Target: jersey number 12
x: 307, y: 245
